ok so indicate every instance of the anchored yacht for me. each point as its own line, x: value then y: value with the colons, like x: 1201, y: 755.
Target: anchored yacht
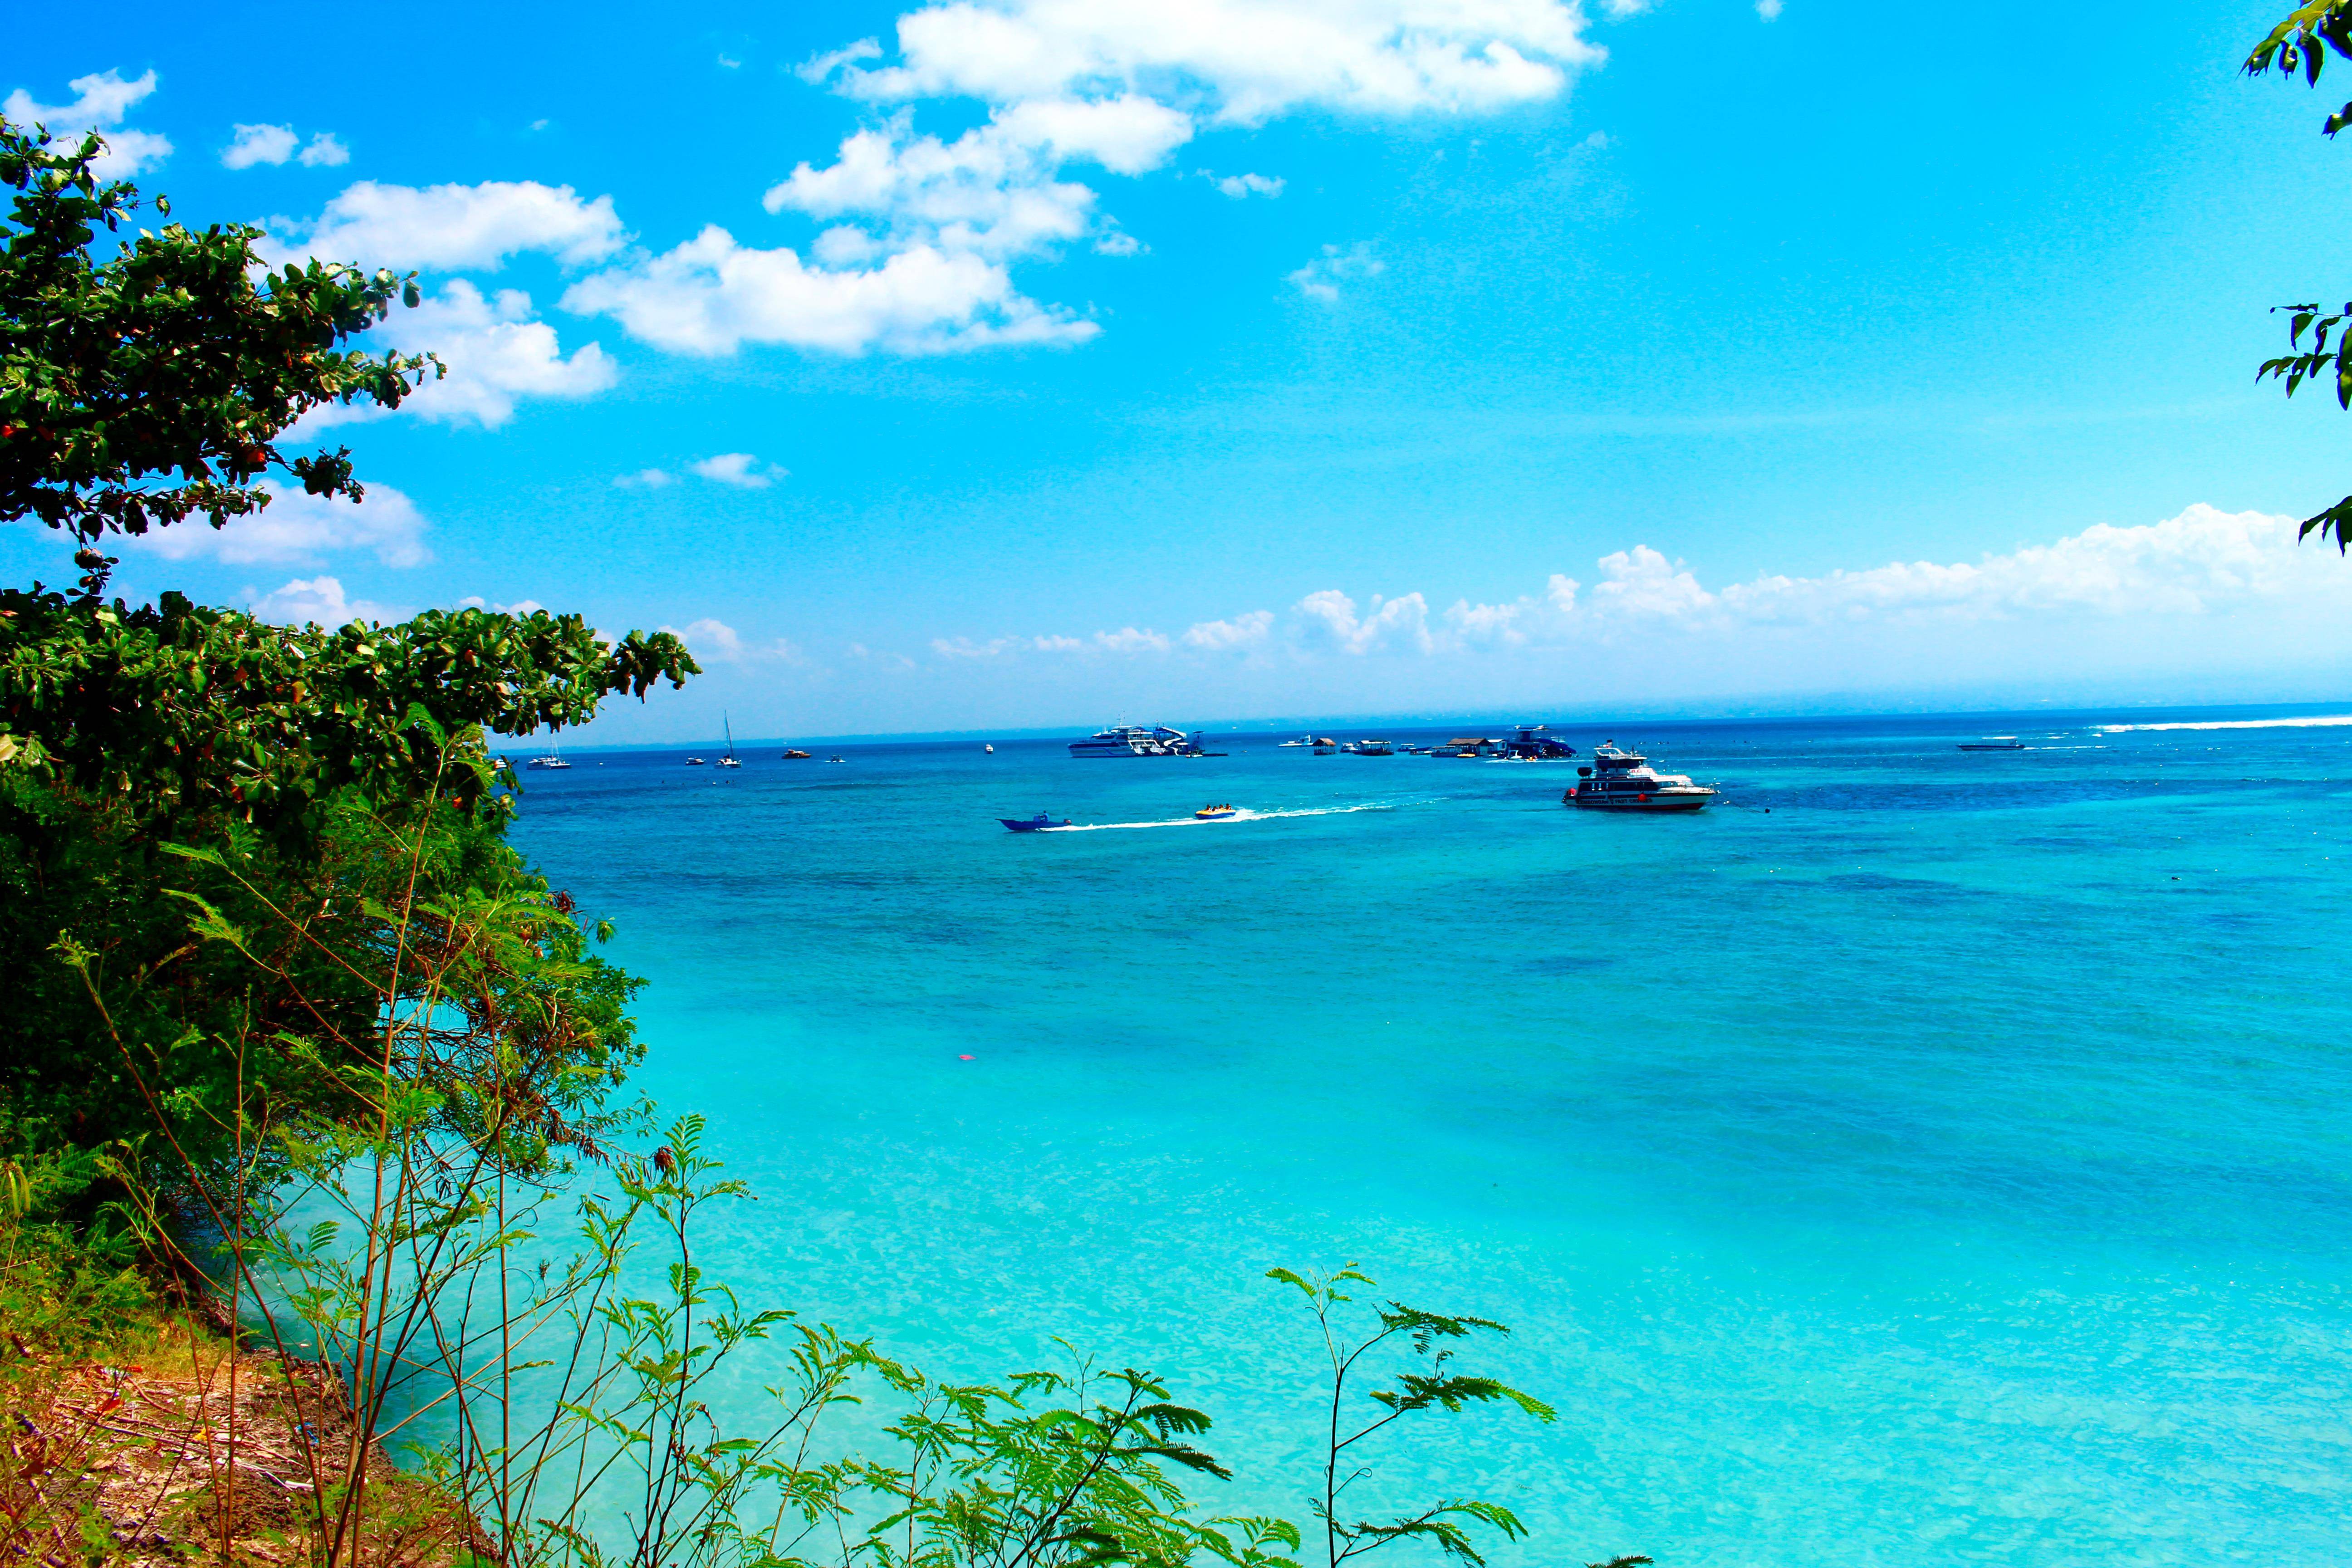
x: 1135, y: 740
x: 1624, y: 781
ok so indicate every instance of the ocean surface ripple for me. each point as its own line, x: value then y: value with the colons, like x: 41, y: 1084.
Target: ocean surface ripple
x: 1924, y: 1157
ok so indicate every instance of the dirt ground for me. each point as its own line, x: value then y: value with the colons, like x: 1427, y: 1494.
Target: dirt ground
x: 199, y: 1454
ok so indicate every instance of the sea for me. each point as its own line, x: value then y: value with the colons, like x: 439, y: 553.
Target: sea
x: 1918, y: 1157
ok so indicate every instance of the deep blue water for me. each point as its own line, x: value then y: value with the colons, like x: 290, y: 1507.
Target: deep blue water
x: 1924, y: 1157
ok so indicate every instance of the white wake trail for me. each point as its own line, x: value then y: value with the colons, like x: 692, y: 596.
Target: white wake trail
x: 2322, y: 721
x: 1223, y: 821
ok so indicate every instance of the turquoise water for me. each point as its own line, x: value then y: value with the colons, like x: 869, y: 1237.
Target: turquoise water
x: 1925, y: 1157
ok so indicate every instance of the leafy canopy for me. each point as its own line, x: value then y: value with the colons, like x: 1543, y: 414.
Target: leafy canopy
x: 154, y: 384
x: 2300, y: 46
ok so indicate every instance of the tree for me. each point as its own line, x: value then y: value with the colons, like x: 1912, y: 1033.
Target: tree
x: 143, y: 387
x: 140, y: 389
x: 2301, y: 45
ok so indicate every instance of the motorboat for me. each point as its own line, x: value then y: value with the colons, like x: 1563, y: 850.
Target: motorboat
x: 730, y: 760
x: 694, y: 761
x: 1374, y: 749
x: 1215, y: 813
x: 1624, y: 781
x: 1302, y: 741
x: 1037, y: 823
x: 1990, y: 743
x: 796, y: 755
x: 837, y: 759
x: 989, y: 748
x: 1136, y: 740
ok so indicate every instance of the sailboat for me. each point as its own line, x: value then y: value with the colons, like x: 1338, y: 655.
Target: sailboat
x: 552, y: 759
x: 730, y: 760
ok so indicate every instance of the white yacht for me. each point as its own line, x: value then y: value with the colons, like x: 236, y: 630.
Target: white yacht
x: 1135, y: 740
x: 730, y: 760
x: 553, y: 759
x: 1624, y: 781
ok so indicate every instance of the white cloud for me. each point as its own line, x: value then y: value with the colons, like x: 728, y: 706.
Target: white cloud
x: 319, y: 601
x: 2109, y: 588
x: 1129, y: 639
x: 710, y: 296
x: 1328, y: 619
x: 453, y: 228
x: 520, y: 608
x: 326, y: 151
x: 1769, y: 9
x: 740, y: 469
x: 1320, y: 278
x: 710, y: 639
x: 259, y: 144
x: 1244, y: 60
x: 495, y: 350
x: 1242, y: 186
x: 719, y: 643
x: 102, y: 99
x: 299, y: 528
x: 1241, y: 631
x: 647, y: 478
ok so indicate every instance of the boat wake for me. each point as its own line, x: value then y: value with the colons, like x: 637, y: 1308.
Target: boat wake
x: 1223, y: 821
x: 2322, y: 722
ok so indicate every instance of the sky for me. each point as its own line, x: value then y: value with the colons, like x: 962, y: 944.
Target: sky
x: 1024, y: 364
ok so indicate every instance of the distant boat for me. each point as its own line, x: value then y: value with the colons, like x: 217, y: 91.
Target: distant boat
x: 796, y: 754
x: 1037, y: 823
x: 837, y: 759
x: 1995, y: 743
x: 1135, y: 740
x: 1374, y: 749
x: 989, y: 748
x: 553, y: 759
x: 1215, y: 813
x: 694, y: 761
x: 730, y: 760
x: 1302, y: 741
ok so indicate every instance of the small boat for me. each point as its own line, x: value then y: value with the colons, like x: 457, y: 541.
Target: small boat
x: 1624, y: 781
x: 837, y: 759
x: 730, y: 760
x: 694, y: 761
x: 1994, y: 743
x: 1374, y: 749
x: 553, y: 759
x: 989, y: 748
x: 1215, y: 813
x: 1037, y: 823
x: 796, y: 754
x: 1302, y: 741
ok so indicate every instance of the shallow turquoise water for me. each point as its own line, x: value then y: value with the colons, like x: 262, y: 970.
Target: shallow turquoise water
x: 1946, y: 1164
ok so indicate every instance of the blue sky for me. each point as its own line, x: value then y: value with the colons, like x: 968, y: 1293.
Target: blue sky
x: 1025, y: 363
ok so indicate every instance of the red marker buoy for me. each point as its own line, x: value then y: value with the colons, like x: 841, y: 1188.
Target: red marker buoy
x: 963, y: 1058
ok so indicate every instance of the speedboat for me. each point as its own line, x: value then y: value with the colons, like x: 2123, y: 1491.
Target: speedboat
x: 1215, y: 813
x: 796, y: 755
x: 837, y: 759
x: 1037, y: 823
x: 989, y: 748
x: 1624, y: 781
x: 694, y: 761
x: 1302, y: 741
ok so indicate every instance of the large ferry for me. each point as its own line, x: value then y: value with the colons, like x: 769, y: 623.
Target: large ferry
x: 1624, y: 781
x: 1135, y: 740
